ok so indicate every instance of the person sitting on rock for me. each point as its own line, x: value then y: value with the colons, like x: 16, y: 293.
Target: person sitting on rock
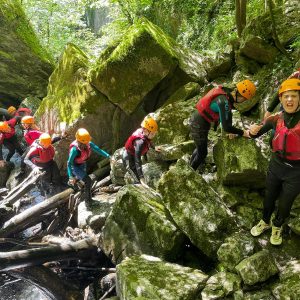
x: 137, y: 145
x: 40, y: 158
x: 275, y: 99
x: 216, y: 107
x: 283, y: 174
x: 31, y: 133
x: 79, y: 152
x: 9, y: 139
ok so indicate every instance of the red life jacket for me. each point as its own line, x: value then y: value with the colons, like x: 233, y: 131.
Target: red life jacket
x: 203, y: 105
x: 31, y: 135
x: 23, y: 111
x: 41, y: 155
x: 138, y: 134
x: 84, y: 153
x: 286, y: 142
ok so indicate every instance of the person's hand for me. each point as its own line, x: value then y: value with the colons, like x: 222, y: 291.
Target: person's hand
x: 36, y: 170
x: 267, y: 115
x: 2, y: 163
x: 143, y: 183
x: 254, y: 129
x: 231, y: 135
x: 246, y: 134
x: 72, y: 181
x: 157, y: 149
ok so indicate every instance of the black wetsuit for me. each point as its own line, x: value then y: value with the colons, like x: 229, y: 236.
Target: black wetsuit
x: 200, y: 127
x: 283, y: 177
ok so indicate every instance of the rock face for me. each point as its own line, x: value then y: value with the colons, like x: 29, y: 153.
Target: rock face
x: 24, y: 65
x: 4, y: 173
x: 138, y: 224
x: 146, y: 277
x: 240, y: 162
x: 147, y: 67
x: 195, y: 208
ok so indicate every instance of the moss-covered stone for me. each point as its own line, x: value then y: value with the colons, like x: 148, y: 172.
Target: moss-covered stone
x: 24, y: 65
x: 150, y: 278
x: 221, y: 285
x: 139, y: 224
x: 235, y: 248
x: 196, y: 208
x: 144, y: 65
x: 257, y: 268
x: 239, y: 162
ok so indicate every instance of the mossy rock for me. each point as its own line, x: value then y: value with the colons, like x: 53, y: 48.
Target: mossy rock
x: 240, y: 162
x: 196, y: 208
x: 145, y: 66
x: 139, y: 224
x: 25, y: 65
x: 146, y: 277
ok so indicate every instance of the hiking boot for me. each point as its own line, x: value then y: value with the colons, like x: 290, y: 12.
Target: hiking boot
x: 276, y: 237
x: 259, y: 228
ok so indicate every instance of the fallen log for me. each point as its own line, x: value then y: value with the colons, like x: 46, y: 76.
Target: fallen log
x: 54, y: 287
x: 29, y: 216
x: 37, y: 256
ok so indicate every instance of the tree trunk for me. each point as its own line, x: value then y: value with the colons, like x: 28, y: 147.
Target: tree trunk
x: 51, y: 285
x: 240, y: 15
x: 37, y: 256
x: 30, y: 216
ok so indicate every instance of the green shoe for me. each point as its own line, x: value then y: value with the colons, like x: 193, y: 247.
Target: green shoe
x: 276, y: 237
x: 259, y: 228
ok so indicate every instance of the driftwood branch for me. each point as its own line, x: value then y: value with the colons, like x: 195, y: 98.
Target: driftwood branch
x: 29, y: 216
x: 37, y: 256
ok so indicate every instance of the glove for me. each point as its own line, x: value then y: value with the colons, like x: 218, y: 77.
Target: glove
x: 36, y: 170
x: 72, y: 181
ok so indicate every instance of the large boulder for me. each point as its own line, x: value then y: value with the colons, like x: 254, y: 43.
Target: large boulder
x: 196, y: 207
x: 240, y: 162
x: 146, y: 277
x: 73, y: 101
x: 257, y: 268
x: 24, y: 65
x: 147, y: 67
x: 138, y: 224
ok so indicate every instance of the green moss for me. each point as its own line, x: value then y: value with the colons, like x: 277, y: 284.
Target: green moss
x: 7, y: 55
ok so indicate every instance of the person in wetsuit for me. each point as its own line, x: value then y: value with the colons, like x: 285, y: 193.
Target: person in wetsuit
x: 216, y: 107
x: 283, y: 174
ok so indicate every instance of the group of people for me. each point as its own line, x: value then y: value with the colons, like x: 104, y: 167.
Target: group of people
x: 282, y: 182
x: 216, y: 106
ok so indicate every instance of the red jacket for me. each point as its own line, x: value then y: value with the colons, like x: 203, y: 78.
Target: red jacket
x: 84, y: 153
x: 203, y: 105
x: 138, y: 134
x: 31, y: 135
x: 286, y: 142
x: 8, y: 135
x: 39, y: 155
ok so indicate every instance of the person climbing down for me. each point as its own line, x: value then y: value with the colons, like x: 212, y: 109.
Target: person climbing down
x: 31, y: 133
x: 216, y: 107
x: 79, y: 152
x: 275, y: 99
x: 9, y: 139
x: 138, y: 144
x: 282, y: 182
x: 40, y: 158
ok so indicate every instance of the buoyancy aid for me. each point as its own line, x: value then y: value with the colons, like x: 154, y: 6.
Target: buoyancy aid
x: 23, y: 111
x: 286, y: 142
x: 84, y: 153
x: 203, y: 105
x: 40, y: 155
x: 138, y: 134
x: 31, y: 135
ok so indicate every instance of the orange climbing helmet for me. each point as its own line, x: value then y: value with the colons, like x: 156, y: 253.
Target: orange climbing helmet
x: 11, y: 110
x: 4, y: 127
x: 150, y: 124
x: 83, y: 136
x: 292, y: 84
x: 45, y: 140
x: 27, y: 120
x: 246, y: 88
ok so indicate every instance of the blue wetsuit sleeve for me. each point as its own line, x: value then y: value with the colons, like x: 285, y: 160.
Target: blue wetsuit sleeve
x: 98, y: 150
x: 225, y: 115
x: 73, y: 153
